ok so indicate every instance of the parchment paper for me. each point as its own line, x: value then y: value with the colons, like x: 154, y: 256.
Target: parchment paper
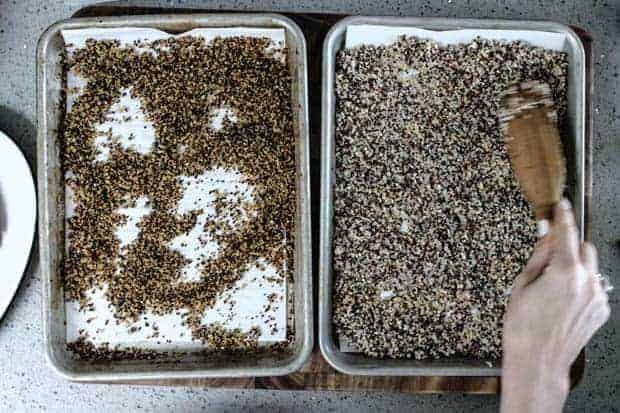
x: 373, y: 35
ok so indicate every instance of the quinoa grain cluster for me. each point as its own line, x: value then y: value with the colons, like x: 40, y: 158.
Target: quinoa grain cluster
x: 179, y: 86
x: 430, y: 225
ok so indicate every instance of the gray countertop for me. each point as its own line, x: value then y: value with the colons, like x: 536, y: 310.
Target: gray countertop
x: 26, y: 382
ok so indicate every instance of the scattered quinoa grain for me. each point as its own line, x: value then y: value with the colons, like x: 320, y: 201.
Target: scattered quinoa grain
x: 178, y: 88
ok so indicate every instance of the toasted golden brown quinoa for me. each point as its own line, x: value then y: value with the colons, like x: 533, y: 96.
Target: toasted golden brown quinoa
x: 178, y: 87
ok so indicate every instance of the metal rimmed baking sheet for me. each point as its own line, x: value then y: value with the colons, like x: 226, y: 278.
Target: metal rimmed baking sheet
x: 357, y: 364
x: 51, y: 209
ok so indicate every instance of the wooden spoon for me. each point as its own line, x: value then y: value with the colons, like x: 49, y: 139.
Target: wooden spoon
x: 529, y: 122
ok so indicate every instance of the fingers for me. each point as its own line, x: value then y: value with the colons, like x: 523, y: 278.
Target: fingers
x: 594, y: 312
x: 589, y: 258
x: 564, y: 233
x: 536, y: 265
x: 594, y: 316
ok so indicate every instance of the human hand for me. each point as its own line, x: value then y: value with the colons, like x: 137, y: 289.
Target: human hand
x: 556, y: 306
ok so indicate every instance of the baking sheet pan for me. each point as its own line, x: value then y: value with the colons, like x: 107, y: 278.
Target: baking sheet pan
x: 574, y: 142
x: 51, y: 210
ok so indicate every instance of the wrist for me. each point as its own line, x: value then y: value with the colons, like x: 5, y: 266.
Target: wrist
x: 532, y: 384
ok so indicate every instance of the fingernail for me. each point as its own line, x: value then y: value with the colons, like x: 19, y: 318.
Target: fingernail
x: 565, y: 204
x: 543, y: 227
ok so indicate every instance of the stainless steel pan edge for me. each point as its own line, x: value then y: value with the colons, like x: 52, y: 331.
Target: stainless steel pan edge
x: 49, y: 181
x: 357, y: 364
